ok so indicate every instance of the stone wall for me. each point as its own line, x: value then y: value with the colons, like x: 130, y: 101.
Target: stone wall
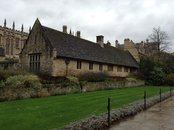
x: 59, y: 69
x: 112, y: 85
x: 12, y: 93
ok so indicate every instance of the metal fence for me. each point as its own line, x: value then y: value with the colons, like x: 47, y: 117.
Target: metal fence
x: 145, y: 103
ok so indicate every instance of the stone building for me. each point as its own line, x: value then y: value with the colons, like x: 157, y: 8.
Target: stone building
x: 11, y: 41
x: 138, y: 50
x: 129, y: 46
x: 61, y: 54
x: 147, y: 48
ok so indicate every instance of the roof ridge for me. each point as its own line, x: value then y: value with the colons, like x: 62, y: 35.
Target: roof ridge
x: 68, y: 34
x: 83, y: 38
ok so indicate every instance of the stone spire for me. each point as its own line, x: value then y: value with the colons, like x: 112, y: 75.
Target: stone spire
x: 29, y: 29
x: 13, y: 25
x: 5, y: 23
x: 22, y: 28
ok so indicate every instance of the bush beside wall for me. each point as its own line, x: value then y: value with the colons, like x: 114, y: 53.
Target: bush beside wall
x: 21, y: 85
x: 169, y: 80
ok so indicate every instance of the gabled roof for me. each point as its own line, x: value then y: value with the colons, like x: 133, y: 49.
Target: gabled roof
x: 70, y: 46
x: 77, y: 48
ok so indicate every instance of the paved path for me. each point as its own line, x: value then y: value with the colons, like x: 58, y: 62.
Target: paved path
x: 159, y: 117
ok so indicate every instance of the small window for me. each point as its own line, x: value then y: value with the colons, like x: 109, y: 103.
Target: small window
x: 79, y: 64
x: 35, y: 62
x: 126, y: 69
x: 17, y: 43
x: 0, y: 39
x: 119, y: 69
x: 7, y: 46
x: 110, y: 67
x: 11, y: 47
x: 90, y: 66
x: 100, y: 67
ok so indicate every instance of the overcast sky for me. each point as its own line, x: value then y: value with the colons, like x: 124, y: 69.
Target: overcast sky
x: 115, y: 19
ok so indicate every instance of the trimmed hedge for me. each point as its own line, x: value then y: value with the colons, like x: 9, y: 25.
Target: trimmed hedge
x: 93, y: 77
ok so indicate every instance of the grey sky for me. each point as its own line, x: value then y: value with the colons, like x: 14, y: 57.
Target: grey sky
x: 115, y: 19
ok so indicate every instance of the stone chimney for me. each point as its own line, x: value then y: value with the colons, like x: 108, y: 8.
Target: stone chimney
x: 78, y: 33
x: 64, y: 29
x: 147, y: 40
x: 100, y: 40
x: 116, y: 44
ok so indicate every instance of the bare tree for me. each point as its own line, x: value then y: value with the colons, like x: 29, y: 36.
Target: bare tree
x: 160, y: 38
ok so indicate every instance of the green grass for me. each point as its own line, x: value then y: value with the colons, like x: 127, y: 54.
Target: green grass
x: 55, y: 112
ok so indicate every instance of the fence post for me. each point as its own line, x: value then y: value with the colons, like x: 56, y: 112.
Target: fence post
x: 160, y: 94
x: 109, y: 107
x: 170, y: 91
x: 144, y: 100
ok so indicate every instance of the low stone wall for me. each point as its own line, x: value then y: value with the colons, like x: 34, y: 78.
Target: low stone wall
x: 100, y: 122
x: 112, y: 85
x: 16, y: 93
x: 9, y: 93
x: 12, y: 93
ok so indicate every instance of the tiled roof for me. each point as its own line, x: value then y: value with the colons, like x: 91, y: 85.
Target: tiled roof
x: 73, y: 47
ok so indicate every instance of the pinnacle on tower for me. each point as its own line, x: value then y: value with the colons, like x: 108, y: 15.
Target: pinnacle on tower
x: 29, y: 29
x: 70, y: 32
x: 13, y: 25
x: 5, y: 23
x: 22, y: 28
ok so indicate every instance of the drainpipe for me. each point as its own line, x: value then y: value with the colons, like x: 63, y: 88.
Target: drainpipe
x: 67, y: 63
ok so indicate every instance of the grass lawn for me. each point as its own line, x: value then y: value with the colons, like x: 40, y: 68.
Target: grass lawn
x: 57, y: 111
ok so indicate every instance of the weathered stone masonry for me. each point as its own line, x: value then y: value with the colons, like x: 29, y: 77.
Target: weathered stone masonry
x: 61, y: 54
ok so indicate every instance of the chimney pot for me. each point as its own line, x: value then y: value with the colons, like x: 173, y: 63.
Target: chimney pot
x: 147, y: 40
x: 64, y: 29
x: 116, y: 44
x: 78, y: 33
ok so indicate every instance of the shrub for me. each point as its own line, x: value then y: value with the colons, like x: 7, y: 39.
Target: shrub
x: 138, y: 75
x: 2, y: 84
x: 23, y: 81
x: 93, y: 77
x: 4, y: 74
x: 47, y: 79
x: 156, y: 76
x: 169, y: 80
x: 68, y: 83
